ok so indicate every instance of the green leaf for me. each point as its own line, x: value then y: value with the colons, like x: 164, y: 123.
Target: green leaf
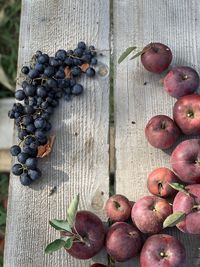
x: 126, y: 53
x: 72, y: 210
x: 69, y: 243
x: 60, y: 225
x: 173, y: 219
x: 179, y: 187
x: 2, y: 216
x: 137, y: 55
x: 55, y: 245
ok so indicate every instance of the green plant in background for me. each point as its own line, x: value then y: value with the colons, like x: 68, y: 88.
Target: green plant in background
x: 9, y: 32
x: 3, y: 198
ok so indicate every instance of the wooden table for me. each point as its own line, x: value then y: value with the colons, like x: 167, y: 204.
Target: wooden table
x: 81, y: 161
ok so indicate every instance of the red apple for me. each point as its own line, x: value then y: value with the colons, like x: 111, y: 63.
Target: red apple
x: 190, y: 205
x: 186, y: 114
x: 156, y: 57
x: 98, y: 265
x: 91, y: 230
x: 162, y: 132
x: 158, y: 182
x: 163, y: 251
x: 149, y: 213
x: 181, y: 81
x: 123, y: 241
x: 185, y: 161
x: 118, y: 208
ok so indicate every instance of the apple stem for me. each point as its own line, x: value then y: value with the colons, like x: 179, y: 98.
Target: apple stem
x: 196, y: 207
x: 190, y: 114
x: 184, y: 77
x: 79, y: 237
x: 160, y: 187
x: 197, y: 160
x: 163, y: 125
x: 162, y: 254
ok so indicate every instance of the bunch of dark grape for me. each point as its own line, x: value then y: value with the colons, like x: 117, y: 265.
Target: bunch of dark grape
x: 46, y: 80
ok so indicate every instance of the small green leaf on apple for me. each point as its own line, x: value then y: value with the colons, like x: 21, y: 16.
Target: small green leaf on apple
x: 69, y: 243
x: 179, y: 187
x: 55, y: 245
x: 60, y: 225
x: 173, y: 219
x: 72, y: 210
x: 137, y: 55
x: 126, y: 53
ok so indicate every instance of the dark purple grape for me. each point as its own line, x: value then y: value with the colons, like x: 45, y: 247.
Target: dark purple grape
x: 31, y: 152
x: 24, y: 84
x: 43, y: 141
x: 53, y: 62
x: 49, y: 71
x: 76, y: 71
x: 38, y: 53
x: 22, y: 133
x: 69, y: 52
x: 77, y: 62
x: 69, y: 61
x: 39, y: 67
x: 82, y: 45
x: 86, y: 58
x: 30, y: 128
x: 78, y: 52
x: 40, y: 134
x: 15, y: 150
x: 20, y: 95
x: 94, y: 61
x: 30, y: 90
x: 25, y: 179
x: 28, y: 140
x: 25, y: 70
x: 27, y: 120
x: 11, y: 114
x: 29, y: 109
x: 77, y: 89
x: 33, y: 73
x: 34, y: 174
x: 60, y: 74
x: 31, y: 163
x: 44, y: 58
x: 61, y: 54
x: 17, y: 169
x: 72, y: 82
x: 51, y: 83
x: 90, y: 72
x: 22, y: 157
x: 41, y: 91
x: 40, y: 123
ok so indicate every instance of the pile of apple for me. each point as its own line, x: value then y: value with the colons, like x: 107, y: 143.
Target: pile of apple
x: 136, y: 227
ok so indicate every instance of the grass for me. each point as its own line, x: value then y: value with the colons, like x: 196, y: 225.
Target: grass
x: 9, y: 32
x: 9, y: 29
x: 4, y: 180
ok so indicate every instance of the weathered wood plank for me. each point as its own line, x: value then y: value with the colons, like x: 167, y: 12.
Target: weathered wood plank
x: 79, y: 161
x: 5, y: 160
x: 138, y: 22
x: 6, y: 125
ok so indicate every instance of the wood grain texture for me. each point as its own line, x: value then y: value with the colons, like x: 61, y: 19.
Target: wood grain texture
x: 138, y: 22
x: 80, y: 160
